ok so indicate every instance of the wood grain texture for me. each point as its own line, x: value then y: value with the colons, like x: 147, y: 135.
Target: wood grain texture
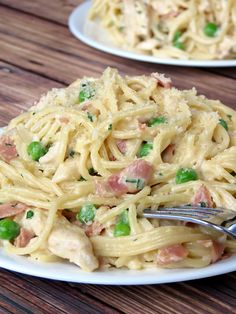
x: 50, y: 50
x: 37, y: 52
x: 19, y: 90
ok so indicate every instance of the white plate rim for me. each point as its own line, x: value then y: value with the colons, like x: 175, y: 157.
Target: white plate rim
x: 71, y: 273
x: 76, y: 24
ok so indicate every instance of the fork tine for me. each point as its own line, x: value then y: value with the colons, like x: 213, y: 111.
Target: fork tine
x: 199, y: 215
x: 217, y: 209
x: 181, y: 213
x: 188, y: 212
x: 194, y: 214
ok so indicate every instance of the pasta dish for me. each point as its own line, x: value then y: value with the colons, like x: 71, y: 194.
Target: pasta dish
x: 181, y: 29
x: 78, y: 169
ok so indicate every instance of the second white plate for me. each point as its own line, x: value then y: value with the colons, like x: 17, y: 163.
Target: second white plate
x: 92, y: 34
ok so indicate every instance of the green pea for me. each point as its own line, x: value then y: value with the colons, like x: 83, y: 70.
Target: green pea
x: 224, y: 124
x: 124, y: 217
x: 86, y: 214
x: 179, y: 45
x: 9, y: 229
x: 122, y: 228
x: 156, y: 121
x: 145, y: 149
x: 36, y: 150
x: 177, y: 36
x: 210, y: 29
x: 185, y: 174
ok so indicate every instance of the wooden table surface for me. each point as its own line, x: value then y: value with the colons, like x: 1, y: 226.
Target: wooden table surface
x: 37, y: 52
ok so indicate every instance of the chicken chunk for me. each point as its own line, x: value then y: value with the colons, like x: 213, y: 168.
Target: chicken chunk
x: 70, y: 242
x: 65, y: 240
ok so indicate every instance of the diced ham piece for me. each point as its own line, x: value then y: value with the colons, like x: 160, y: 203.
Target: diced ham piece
x: 130, y: 180
x: 94, y: 229
x: 202, y: 196
x: 112, y: 158
x: 121, y: 144
x: 171, y: 254
x: 7, y: 148
x: 12, y: 209
x: 64, y: 120
x: 170, y: 14
x: 116, y: 184
x: 217, y: 248
x: 142, y: 126
x: 85, y: 105
x: 162, y: 80
x: 168, y: 153
x: 23, y: 238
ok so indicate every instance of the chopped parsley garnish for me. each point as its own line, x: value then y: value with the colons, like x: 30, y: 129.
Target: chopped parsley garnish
x: 86, y: 91
x: 29, y: 214
x: 224, y: 124
x: 90, y: 116
x: 82, y: 179
x: 72, y: 153
x: 203, y: 204
x: 92, y: 171
x: 109, y: 127
x: 139, y: 183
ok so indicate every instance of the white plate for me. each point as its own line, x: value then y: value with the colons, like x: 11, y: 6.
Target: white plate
x: 71, y: 273
x: 68, y: 272
x: 92, y: 34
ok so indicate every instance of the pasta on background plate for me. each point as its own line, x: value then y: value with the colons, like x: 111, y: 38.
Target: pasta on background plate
x: 180, y: 29
x: 78, y: 169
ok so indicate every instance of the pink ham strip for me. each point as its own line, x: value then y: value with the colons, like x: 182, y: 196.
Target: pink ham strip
x: 217, y: 249
x: 116, y: 183
x: 162, y: 80
x: 142, y: 126
x: 24, y: 238
x: 94, y: 229
x: 7, y: 148
x: 171, y: 254
x: 121, y: 144
x: 11, y: 209
x: 203, y: 195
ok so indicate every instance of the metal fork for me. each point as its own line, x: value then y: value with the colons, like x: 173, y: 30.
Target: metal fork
x: 220, y: 219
